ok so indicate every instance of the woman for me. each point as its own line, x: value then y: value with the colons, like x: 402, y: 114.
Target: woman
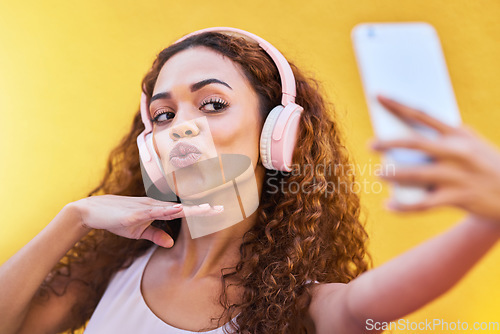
x: 262, y: 272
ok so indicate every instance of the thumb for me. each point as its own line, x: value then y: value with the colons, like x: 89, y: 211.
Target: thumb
x: 158, y: 236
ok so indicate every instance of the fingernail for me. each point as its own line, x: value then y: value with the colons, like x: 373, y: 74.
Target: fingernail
x: 177, y: 206
x: 219, y: 207
x: 204, y: 205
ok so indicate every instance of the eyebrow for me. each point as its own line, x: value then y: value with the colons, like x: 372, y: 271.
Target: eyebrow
x: 194, y: 87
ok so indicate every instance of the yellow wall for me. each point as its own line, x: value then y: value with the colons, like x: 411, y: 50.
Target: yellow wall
x: 70, y: 76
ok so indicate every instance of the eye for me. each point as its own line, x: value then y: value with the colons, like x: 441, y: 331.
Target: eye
x: 163, y: 116
x: 214, y: 105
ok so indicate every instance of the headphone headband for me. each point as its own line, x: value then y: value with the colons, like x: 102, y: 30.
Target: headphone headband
x: 285, y: 71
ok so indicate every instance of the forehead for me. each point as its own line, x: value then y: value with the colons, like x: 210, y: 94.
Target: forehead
x: 196, y: 64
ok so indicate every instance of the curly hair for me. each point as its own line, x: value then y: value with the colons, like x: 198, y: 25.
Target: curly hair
x: 315, y: 234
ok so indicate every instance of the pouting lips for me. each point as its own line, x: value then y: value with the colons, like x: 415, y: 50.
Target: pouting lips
x: 184, y: 154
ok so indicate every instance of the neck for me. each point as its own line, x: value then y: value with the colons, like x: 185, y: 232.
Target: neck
x: 206, y: 255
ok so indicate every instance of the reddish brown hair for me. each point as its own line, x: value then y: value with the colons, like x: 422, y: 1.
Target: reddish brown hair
x: 314, y: 234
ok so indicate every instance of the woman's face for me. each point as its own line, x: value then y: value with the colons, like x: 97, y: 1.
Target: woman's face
x: 203, y: 105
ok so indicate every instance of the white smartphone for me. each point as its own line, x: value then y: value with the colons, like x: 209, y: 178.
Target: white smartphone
x: 405, y: 62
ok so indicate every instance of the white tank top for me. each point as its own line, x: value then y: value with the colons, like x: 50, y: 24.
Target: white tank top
x: 122, y: 308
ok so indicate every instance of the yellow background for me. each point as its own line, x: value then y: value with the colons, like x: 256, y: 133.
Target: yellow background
x: 70, y: 75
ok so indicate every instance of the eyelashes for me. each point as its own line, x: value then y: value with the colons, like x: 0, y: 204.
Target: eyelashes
x: 161, y: 116
x: 211, y: 105
x: 217, y: 103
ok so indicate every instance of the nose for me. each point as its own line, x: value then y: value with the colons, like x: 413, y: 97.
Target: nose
x: 185, y: 129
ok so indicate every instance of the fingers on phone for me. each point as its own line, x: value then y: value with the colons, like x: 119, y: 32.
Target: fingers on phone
x: 415, y: 115
x: 426, y: 145
x: 444, y: 196
x: 427, y: 174
x: 438, y: 150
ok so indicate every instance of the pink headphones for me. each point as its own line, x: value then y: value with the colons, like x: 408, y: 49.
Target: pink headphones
x: 279, y: 134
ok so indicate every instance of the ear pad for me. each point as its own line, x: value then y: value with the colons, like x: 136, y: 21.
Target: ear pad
x: 151, y: 164
x: 266, y: 137
x: 279, y: 137
x: 156, y: 158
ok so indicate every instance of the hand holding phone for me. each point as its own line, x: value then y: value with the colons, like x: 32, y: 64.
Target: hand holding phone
x: 405, y: 62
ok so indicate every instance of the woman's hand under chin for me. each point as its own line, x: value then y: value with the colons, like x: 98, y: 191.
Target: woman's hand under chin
x: 131, y: 217
x: 465, y: 173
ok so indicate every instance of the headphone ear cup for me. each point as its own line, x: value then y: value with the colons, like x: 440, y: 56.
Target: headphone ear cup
x: 156, y: 158
x: 266, y: 137
x: 153, y: 175
x: 279, y: 137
